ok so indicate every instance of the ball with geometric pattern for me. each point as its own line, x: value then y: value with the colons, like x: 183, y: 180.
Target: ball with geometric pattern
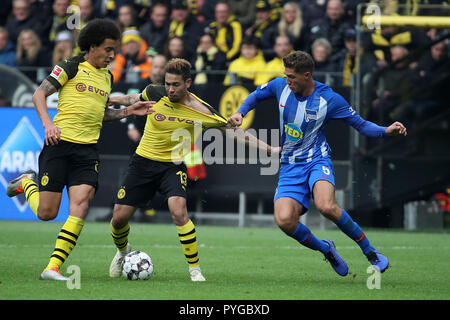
x: 137, y: 265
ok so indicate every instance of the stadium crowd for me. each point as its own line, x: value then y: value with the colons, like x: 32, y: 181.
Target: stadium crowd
x: 236, y: 41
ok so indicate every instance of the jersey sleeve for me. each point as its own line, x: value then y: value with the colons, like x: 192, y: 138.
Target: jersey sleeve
x: 262, y: 92
x: 153, y: 92
x: 341, y: 109
x: 63, y: 72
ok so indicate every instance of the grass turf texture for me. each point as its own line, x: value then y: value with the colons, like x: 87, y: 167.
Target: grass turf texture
x: 239, y: 263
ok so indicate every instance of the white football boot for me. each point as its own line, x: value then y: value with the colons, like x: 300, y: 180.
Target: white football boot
x: 52, y: 274
x: 115, y: 269
x: 196, y: 274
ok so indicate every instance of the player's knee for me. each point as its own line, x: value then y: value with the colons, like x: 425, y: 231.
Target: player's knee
x: 47, y: 213
x: 120, y: 218
x: 328, y: 209
x: 286, y: 221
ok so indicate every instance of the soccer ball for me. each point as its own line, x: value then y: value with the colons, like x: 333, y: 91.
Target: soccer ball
x: 137, y: 265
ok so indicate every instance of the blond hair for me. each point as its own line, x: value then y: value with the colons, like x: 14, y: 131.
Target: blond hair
x: 30, y: 54
x: 294, y: 28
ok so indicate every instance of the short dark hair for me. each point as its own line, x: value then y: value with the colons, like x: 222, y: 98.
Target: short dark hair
x: 300, y: 61
x: 180, y: 67
x: 97, y: 31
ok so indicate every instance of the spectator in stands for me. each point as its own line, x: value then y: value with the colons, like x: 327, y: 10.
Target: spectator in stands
x: 241, y: 9
x: 57, y: 22
x: 22, y: 20
x: 313, y: 10
x: 332, y: 26
x: 264, y: 20
x: 156, y: 30
x: 30, y: 54
x: 86, y: 12
x: 183, y: 24
x: 7, y: 51
x: 158, y: 69
x: 250, y: 67
x: 126, y: 17
x: 226, y: 30
x: 432, y: 77
x: 383, y: 39
x: 321, y: 52
x: 291, y: 24
x: 395, y: 89
x: 345, y: 60
x: 131, y: 64
x: 63, y: 47
x: 175, y: 48
x: 209, y: 57
x: 275, y: 67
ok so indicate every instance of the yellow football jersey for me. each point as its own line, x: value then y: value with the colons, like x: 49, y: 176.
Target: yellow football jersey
x: 172, y: 128
x: 83, y: 93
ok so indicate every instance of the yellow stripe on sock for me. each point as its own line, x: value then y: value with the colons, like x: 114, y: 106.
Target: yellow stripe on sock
x: 31, y: 191
x: 120, y: 237
x: 66, y: 241
x: 188, y: 240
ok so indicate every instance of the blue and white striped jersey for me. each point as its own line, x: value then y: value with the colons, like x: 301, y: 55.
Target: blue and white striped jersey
x: 303, y: 119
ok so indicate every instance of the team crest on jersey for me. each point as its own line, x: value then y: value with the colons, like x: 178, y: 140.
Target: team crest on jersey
x: 56, y: 72
x: 121, y: 193
x: 310, y: 115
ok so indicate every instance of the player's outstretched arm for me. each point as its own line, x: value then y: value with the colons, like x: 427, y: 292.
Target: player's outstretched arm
x: 395, y: 129
x: 52, y: 132
x: 126, y: 100
x: 140, y: 108
x: 248, y: 139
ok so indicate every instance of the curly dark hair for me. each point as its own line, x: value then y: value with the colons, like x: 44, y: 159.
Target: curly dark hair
x: 96, y: 31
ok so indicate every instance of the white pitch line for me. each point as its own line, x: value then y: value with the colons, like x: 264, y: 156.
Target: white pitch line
x: 206, y: 246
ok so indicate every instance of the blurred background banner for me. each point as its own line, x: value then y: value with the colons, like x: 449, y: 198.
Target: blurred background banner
x: 21, y: 137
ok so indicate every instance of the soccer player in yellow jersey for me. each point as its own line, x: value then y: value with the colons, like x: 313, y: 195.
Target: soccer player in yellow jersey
x: 70, y: 157
x: 171, y: 128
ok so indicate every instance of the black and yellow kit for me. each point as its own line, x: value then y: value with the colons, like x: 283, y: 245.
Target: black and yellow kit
x: 170, y: 131
x: 83, y: 93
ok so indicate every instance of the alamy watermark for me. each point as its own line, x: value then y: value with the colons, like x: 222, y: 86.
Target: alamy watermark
x: 228, y: 146
x: 374, y: 280
x: 373, y: 12
x: 74, y: 281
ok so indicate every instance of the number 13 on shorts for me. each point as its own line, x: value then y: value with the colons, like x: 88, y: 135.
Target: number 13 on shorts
x: 183, y: 179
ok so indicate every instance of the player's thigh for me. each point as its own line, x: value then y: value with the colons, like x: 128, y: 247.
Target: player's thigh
x: 287, y: 212
x: 139, y: 184
x: 174, y: 181
x: 83, y: 167
x: 325, y: 201
x: 79, y: 198
x: 53, y: 168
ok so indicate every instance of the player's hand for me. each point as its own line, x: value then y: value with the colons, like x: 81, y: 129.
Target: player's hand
x: 52, y: 134
x: 395, y: 129
x: 235, y: 120
x: 141, y: 108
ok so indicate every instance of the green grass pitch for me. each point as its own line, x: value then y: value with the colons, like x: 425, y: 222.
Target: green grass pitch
x: 239, y: 263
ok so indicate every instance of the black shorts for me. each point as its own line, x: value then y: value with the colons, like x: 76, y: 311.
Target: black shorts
x: 68, y: 164
x: 144, y: 177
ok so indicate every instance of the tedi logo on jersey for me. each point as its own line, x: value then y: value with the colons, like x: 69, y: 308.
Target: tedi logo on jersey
x: 293, y: 132
x: 19, y: 152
